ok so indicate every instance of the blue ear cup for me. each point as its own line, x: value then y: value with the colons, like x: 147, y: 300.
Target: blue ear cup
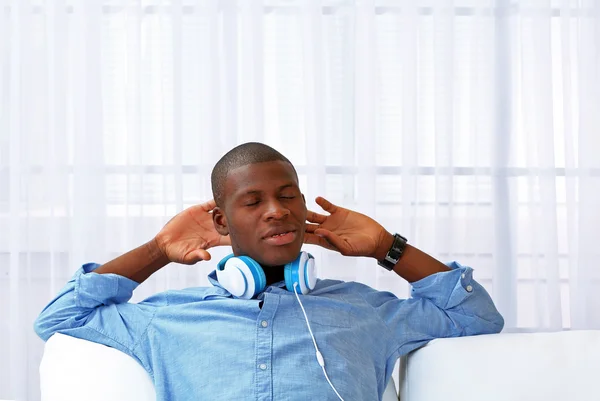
x: 301, y: 271
x: 244, y: 278
x: 241, y: 276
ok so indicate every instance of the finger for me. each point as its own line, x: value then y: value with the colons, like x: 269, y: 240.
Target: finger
x: 320, y: 241
x: 335, y: 240
x: 315, y: 217
x: 310, y: 228
x: 209, y: 205
x: 197, y: 256
x: 326, y: 205
x: 203, y: 254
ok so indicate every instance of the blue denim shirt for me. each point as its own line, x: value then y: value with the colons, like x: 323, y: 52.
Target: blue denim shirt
x: 202, y: 344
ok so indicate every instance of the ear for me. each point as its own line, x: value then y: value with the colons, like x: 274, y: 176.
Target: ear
x: 220, y: 221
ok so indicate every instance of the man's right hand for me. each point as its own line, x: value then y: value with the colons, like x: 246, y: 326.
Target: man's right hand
x: 187, y: 236
x: 184, y: 239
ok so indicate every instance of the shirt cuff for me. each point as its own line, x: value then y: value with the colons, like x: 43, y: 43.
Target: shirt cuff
x: 93, y: 289
x: 446, y: 289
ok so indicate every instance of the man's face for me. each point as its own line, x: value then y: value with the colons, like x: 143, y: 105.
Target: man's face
x: 263, y: 212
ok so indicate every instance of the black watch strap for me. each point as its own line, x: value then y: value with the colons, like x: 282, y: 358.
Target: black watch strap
x: 395, y: 252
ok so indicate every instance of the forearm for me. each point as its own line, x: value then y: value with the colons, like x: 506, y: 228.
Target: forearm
x: 138, y: 264
x: 414, y: 264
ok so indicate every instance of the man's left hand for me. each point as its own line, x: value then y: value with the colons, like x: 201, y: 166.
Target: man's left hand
x: 347, y: 232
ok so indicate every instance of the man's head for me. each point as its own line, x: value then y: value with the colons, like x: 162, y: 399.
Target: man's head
x: 259, y: 204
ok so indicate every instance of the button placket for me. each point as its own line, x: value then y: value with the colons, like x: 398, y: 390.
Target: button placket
x: 264, y: 347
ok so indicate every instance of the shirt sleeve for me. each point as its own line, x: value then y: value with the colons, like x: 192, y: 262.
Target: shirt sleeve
x: 447, y: 304
x: 95, y: 307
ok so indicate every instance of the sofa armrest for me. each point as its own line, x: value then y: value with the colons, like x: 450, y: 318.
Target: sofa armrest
x: 499, y: 367
x: 73, y: 369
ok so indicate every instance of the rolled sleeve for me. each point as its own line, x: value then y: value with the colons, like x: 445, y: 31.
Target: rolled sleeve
x: 92, y: 289
x: 447, y: 289
x: 95, y: 307
x: 446, y: 304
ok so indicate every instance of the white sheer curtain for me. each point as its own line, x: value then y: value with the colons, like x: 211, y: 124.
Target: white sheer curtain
x: 470, y: 126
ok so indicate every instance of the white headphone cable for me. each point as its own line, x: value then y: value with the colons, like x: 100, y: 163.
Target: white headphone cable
x: 319, y: 355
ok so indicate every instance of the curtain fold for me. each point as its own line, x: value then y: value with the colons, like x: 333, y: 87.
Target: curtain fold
x: 468, y: 126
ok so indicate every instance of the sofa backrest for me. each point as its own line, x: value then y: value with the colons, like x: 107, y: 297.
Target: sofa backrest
x: 563, y: 366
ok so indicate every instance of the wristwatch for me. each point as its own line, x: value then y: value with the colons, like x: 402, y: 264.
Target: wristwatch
x: 395, y: 252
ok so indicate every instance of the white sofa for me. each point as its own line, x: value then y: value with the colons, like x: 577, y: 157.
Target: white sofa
x: 563, y: 366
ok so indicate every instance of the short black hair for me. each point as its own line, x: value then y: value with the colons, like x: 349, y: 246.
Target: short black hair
x: 241, y: 155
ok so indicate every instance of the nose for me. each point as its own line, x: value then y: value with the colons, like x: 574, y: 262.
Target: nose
x: 276, y: 211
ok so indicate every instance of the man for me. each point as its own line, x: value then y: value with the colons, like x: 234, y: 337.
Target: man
x: 203, y: 343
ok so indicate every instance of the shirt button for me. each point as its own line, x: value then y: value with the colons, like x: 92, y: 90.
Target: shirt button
x: 469, y: 288
x: 262, y: 366
x: 463, y: 275
x: 264, y: 323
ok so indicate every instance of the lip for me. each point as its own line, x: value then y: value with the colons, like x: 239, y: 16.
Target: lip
x: 279, y: 240
x: 279, y: 230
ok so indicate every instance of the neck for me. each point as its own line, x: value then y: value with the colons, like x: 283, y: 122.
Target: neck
x: 274, y: 274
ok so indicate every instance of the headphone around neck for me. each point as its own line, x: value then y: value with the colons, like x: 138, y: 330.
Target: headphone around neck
x: 244, y: 278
